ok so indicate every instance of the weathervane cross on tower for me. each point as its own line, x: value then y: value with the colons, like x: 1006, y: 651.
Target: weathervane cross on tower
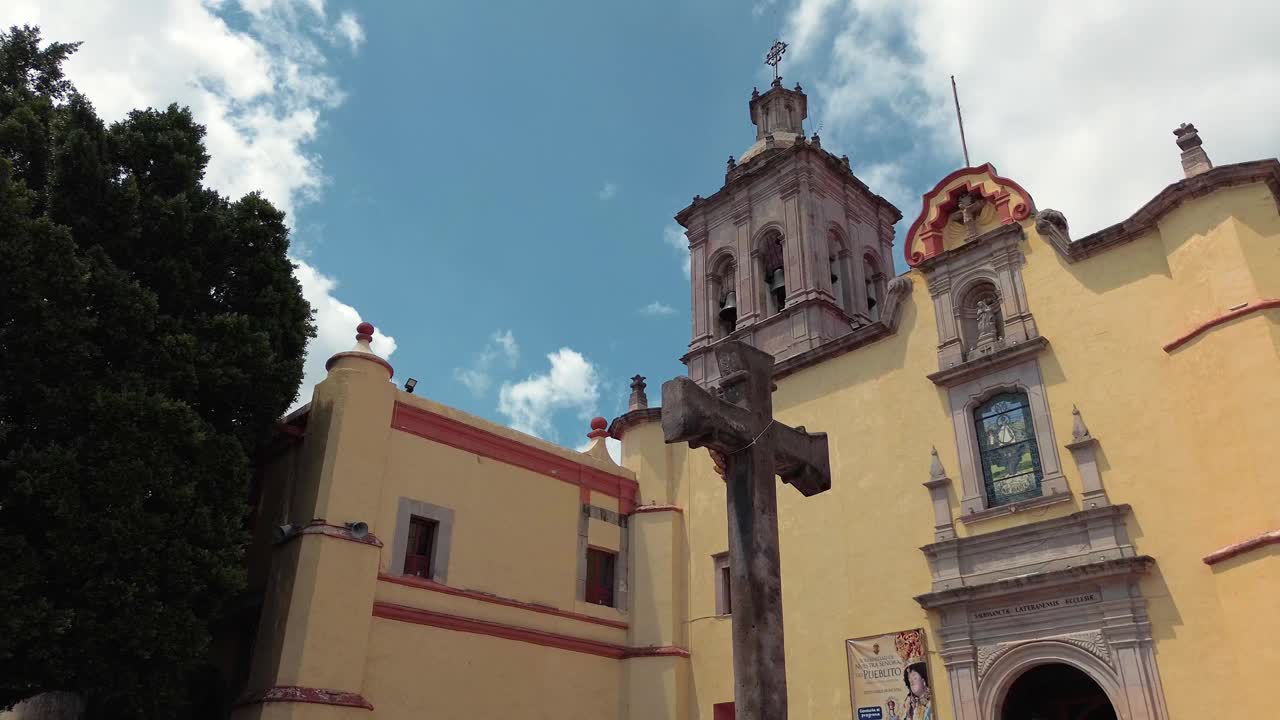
x: 774, y: 58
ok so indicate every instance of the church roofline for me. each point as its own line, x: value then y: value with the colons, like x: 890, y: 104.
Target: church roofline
x: 759, y: 164
x: 1219, y: 178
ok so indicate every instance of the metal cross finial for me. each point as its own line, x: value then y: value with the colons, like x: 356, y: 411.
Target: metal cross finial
x: 775, y: 56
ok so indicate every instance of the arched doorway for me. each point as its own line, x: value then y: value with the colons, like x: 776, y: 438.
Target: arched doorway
x: 1056, y: 691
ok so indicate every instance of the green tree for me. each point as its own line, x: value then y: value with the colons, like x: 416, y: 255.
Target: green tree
x: 151, y: 331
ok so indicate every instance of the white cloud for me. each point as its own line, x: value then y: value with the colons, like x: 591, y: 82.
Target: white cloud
x: 259, y: 92
x: 572, y: 383
x: 673, y: 235
x: 608, y: 191
x: 478, y: 378
x: 761, y: 7
x: 656, y: 308
x: 1076, y: 102
x: 348, y: 28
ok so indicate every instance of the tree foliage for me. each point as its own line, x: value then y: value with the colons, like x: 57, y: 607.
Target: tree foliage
x: 151, y: 331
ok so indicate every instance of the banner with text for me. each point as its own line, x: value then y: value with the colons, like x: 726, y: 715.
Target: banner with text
x: 889, y: 678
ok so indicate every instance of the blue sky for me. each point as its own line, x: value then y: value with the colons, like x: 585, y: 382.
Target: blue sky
x: 492, y: 183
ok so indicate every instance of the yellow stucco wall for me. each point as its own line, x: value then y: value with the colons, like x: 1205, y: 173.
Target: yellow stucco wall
x: 1181, y: 437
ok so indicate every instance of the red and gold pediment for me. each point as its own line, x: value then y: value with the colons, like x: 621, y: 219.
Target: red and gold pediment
x: 965, y: 204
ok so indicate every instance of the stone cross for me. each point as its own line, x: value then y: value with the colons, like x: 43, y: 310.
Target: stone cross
x: 738, y: 425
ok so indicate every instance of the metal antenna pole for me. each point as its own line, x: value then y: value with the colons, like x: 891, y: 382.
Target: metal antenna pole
x: 960, y: 119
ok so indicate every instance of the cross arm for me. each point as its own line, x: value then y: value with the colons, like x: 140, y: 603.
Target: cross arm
x: 693, y: 415
x: 801, y: 459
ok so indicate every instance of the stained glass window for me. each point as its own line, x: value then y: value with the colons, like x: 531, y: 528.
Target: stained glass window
x: 1007, y: 449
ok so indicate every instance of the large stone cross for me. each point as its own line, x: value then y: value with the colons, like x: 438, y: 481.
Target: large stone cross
x: 738, y: 425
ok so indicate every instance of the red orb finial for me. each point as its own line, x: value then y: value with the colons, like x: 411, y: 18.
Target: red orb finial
x: 364, y: 331
x: 598, y: 425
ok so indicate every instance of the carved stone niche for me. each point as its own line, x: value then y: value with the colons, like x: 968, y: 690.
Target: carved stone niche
x: 1064, y: 590
x: 979, y: 300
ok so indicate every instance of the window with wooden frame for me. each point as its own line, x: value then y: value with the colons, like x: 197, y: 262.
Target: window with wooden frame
x: 600, y: 567
x: 724, y: 585
x: 421, y: 546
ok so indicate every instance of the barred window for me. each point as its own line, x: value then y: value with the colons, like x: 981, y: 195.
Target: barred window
x: 1007, y: 449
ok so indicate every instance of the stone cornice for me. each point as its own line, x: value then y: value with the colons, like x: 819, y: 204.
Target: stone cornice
x: 1137, y: 565
x: 628, y: 420
x: 984, y: 364
x: 1008, y: 536
x: 1224, y: 176
x: 762, y: 164
x: 1011, y: 232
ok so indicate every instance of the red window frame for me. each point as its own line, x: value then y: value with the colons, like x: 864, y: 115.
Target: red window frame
x: 600, y: 576
x: 420, y: 547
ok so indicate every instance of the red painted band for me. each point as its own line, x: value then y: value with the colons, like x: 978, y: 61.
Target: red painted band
x: 1255, y: 306
x: 424, y: 584
x: 429, y: 425
x: 914, y: 258
x: 430, y: 618
x: 657, y: 508
x: 317, y: 696
x: 340, y: 532
x: 1253, y: 543
x: 362, y: 356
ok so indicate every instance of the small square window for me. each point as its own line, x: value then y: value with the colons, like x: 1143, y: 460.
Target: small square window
x: 600, y: 565
x: 422, y: 542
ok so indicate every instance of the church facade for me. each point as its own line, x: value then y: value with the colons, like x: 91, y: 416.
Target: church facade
x: 1053, y: 480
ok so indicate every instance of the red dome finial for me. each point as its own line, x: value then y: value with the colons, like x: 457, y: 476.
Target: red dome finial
x: 598, y: 425
x: 364, y: 331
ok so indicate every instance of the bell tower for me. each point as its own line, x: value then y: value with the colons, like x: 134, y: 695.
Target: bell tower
x: 793, y: 252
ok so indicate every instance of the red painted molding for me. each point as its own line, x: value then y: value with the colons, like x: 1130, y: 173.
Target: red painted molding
x: 1253, y: 543
x: 418, y: 616
x: 424, y: 584
x: 317, y: 696
x: 340, y: 532
x: 1248, y: 309
x: 657, y: 508
x: 362, y: 356
x: 441, y: 429
x: 1018, y: 213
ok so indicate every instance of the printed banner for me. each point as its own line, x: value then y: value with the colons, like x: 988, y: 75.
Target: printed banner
x: 888, y: 677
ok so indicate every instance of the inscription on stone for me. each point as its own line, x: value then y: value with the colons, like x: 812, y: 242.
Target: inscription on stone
x: 1036, y: 606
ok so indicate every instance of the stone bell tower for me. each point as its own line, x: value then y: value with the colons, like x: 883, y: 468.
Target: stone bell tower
x: 793, y: 252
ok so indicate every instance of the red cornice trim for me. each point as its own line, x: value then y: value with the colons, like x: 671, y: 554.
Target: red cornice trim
x: 429, y: 425
x: 423, y: 584
x: 1253, y: 543
x: 657, y: 508
x: 1248, y: 309
x: 418, y: 616
x: 317, y: 696
x: 362, y: 356
x: 340, y: 532
x: 912, y: 261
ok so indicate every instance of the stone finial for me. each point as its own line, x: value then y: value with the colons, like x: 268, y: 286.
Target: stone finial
x: 1079, y: 431
x: 816, y: 141
x: 362, y: 349
x: 639, y: 400
x: 1194, y: 159
x: 755, y: 93
x: 936, y: 471
x: 798, y: 88
x: 777, y: 82
x: 599, y: 434
x: 731, y: 164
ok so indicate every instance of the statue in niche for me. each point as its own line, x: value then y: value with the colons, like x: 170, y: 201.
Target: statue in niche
x: 986, y: 315
x: 968, y: 207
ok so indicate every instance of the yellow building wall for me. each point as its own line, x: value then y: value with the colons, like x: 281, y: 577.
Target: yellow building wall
x: 1182, y: 438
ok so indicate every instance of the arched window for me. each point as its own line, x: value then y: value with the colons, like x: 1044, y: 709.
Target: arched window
x: 874, y: 281
x: 724, y: 297
x: 772, y: 261
x: 838, y: 259
x: 1007, y: 448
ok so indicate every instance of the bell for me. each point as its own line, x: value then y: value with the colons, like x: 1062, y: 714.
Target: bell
x: 777, y: 281
x: 729, y: 308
